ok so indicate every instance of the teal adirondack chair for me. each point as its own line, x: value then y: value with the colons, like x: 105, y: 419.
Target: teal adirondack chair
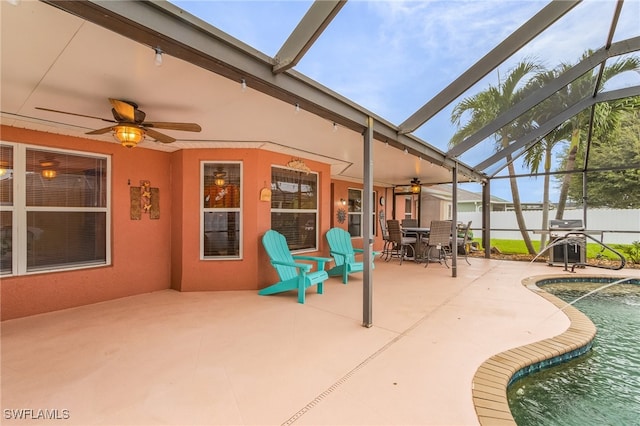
x: 344, y: 254
x: 293, y: 275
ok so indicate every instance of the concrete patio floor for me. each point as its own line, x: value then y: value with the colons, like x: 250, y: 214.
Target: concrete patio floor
x: 236, y: 358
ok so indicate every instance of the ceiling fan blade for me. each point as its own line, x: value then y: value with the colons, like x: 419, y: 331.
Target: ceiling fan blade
x: 124, y: 110
x: 73, y: 113
x: 160, y: 137
x: 187, y: 127
x: 100, y: 131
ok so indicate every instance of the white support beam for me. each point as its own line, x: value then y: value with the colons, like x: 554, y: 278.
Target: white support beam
x: 312, y: 24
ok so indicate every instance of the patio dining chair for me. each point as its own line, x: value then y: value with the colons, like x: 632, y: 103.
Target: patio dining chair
x: 463, y: 242
x: 440, y: 241
x: 386, y: 247
x: 409, y: 223
x: 399, y: 242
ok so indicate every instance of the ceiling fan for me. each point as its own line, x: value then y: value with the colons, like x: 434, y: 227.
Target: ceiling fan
x: 129, y: 126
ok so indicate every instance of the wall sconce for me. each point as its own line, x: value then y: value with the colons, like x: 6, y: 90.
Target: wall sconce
x: 49, y: 168
x: 128, y: 136
x: 343, y: 201
x: 218, y: 177
x: 415, y: 186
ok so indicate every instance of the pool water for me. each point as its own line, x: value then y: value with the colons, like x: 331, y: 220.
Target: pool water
x: 601, y: 387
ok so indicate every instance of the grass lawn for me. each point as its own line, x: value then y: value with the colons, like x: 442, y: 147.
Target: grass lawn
x: 518, y: 247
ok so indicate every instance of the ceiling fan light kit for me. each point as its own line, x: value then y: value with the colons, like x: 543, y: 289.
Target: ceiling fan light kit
x: 415, y: 186
x: 128, y: 136
x: 129, y: 127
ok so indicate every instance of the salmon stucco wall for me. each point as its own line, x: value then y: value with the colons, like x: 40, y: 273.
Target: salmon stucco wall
x: 140, y: 249
x: 340, y: 190
x: 150, y: 255
x: 253, y: 271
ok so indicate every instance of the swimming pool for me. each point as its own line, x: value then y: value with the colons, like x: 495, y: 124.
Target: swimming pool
x: 603, y: 385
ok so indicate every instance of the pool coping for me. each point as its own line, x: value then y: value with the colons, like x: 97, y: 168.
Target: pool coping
x: 492, y: 379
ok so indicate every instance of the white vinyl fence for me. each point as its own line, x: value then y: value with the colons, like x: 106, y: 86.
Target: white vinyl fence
x: 616, y: 226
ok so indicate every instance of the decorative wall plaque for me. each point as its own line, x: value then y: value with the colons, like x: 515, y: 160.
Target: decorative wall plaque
x: 144, y: 199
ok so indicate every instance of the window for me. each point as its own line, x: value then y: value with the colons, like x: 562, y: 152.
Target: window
x: 60, y: 219
x: 294, y: 207
x: 221, y: 227
x: 355, y: 213
x: 408, y: 206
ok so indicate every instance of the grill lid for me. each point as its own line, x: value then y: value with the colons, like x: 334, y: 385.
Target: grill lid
x: 566, y: 225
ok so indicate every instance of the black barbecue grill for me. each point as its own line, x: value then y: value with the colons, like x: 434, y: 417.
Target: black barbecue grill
x: 567, y: 250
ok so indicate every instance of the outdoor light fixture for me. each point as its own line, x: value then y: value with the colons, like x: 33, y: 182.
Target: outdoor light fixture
x: 218, y: 177
x: 128, y: 136
x: 297, y: 107
x: 158, y: 58
x: 49, y: 168
x: 343, y: 201
x: 406, y: 151
x: 243, y: 85
x: 415, y: 186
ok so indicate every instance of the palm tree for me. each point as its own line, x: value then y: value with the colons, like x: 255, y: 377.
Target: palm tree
x: 605, y: 116
x: 486, y: 106
x: 542, y: 152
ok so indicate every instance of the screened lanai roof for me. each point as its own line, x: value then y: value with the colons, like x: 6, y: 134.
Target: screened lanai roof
x: 406, y: 65
x: 398, y: 58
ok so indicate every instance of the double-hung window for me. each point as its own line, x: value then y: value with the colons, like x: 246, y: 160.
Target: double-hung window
x: 294, y: 207
x: 221, y: 225
x: 355, y: 213
x: 54, y: 209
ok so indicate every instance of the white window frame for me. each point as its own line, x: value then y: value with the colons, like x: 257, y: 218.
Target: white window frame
x: 204, y: 210
x: 19, y: 210
x: 351, y: 214
x: 374, y: 225
x: 408, y: 202
x: 315, y: 211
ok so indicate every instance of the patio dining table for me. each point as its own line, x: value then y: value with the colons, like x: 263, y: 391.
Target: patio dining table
x: 419, y: 233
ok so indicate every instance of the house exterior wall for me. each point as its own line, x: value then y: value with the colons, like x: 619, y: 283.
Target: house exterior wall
x: 434, y: 208
x: 140, y: 249
x: 341, y: 191
x: 253, y: 271
x: 150, y: 255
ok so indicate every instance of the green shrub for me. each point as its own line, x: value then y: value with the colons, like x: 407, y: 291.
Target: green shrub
x: 632, y: 251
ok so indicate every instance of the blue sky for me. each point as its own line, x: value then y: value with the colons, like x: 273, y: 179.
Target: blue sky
x: 393, y: 56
